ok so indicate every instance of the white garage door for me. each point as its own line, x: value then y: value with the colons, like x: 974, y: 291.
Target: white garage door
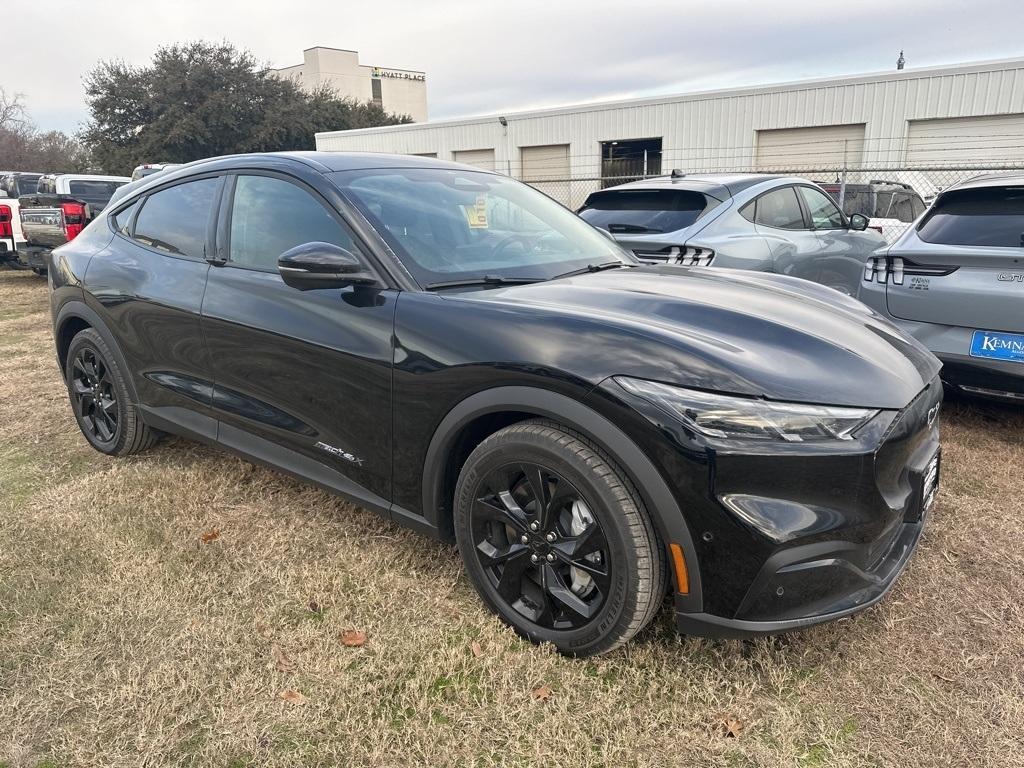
x: 547, y: 169
x: 829, y: 146
x: 996, y: 139
x: 481, y: 158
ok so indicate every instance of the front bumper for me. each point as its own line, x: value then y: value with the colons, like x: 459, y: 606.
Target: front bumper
x: 808, y: 585
x: 788, y: 535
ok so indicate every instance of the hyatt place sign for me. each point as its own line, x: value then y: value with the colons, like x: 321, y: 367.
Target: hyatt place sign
x: 398, y: 74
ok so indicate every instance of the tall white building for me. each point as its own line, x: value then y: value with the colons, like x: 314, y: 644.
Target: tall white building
x: 399, y: 91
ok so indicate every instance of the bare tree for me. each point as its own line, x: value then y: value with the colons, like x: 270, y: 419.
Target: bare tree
x: 24, y: 148
x: 13, y: 116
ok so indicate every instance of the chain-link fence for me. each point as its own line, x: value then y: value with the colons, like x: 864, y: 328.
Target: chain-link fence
x: 891, y: 196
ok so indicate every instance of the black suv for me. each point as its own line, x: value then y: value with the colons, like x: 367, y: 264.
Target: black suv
x: 460, y: 353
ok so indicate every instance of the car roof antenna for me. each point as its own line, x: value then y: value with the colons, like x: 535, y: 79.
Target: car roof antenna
x: 677, y: 174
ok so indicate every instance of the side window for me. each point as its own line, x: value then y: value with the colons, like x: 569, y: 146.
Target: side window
x: 124, y: 217
x: 824, y: 213
x: 175, y: 219
x: 749, y: 210
x: 780, y: 209
x: 270, y: 216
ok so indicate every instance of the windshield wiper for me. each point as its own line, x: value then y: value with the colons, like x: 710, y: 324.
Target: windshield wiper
x: 594, y: 268
x: 635, y: 228
x: 483, y: 280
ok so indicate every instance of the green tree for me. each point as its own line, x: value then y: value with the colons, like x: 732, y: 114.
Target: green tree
x: 204, y: 99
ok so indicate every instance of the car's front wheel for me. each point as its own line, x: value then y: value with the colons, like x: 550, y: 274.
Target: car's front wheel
x: 556, y: 539
x: 100, y: 398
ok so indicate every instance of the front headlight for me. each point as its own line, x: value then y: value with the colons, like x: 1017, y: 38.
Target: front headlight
x: 748, y: 418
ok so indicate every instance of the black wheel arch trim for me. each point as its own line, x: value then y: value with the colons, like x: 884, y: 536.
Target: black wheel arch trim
x: 658, y: 498
x: 76, y: 309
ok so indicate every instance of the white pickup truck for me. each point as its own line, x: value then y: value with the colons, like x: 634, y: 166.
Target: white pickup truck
x: 59, y: 210
x: 13, y: 184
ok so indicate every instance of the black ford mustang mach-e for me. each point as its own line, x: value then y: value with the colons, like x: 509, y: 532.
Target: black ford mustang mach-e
x: 460, y: 353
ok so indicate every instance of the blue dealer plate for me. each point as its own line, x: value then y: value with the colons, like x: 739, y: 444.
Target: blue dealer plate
x: 998, y: 346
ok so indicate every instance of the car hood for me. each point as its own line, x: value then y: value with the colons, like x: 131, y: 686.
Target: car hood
x: 747, y: 333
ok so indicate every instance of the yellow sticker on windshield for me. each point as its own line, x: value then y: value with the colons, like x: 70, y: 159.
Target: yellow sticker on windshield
x: 476, y: 215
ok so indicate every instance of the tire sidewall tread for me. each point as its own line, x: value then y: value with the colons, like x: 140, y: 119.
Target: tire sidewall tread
x: 639, y: 581
x: 132, y: 435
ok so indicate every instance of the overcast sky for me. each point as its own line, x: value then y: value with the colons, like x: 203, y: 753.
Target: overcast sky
x: 486, y: 57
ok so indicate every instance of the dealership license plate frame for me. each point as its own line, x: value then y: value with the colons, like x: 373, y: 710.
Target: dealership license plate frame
x: 1006, y: 354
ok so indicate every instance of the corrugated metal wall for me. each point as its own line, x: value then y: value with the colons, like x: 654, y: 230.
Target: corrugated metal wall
x: 717, y: 130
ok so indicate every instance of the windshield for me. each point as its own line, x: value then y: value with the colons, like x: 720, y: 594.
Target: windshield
x: 448, y: 225
x: 644, y: 210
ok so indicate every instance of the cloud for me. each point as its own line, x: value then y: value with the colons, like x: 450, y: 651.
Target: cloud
x: 486, y: 57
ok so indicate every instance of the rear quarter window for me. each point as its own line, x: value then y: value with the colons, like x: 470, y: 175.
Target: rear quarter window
x: 174, y: 220
x: 645, y: 210
x: 987, y: 217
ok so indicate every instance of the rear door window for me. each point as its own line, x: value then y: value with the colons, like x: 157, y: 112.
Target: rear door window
x: 644, y: 211
x: 779, y: 209
x: 991, y: 216
x: 176, y: 220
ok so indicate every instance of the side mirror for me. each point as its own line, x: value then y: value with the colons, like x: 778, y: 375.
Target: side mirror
x: 859, y: 222
x: 322, y: 265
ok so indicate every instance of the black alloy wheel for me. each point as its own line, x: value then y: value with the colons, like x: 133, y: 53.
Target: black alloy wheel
x: 100, y: 398
x: 540, y: 546
x: 556, y: 540
x: 94, y: 396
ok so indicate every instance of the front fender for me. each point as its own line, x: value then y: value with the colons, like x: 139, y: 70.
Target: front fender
x: 653, y: 489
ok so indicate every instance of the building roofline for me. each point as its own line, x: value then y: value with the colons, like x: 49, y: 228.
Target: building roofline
x: 330, y: 48
x: 708, y: 95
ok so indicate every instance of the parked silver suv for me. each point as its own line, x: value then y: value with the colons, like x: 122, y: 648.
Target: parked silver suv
x: 955, y: 281
x: 750, y: 221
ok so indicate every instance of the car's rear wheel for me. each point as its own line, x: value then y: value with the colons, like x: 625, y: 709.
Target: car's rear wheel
x: 101, y: 400
x: 556, y: 539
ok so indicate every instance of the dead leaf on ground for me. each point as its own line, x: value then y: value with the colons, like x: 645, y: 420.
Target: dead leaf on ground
x: 293, y: 697
x: 210, y: 535
x: 478, y: 651
x: 281, y: 660
x: 730, y: 726
x: 542, y: 693
x: 353, y: 638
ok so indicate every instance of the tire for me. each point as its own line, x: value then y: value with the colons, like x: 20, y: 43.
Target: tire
x: 39, y: 271
x: 587, y: 590
x: 101, y: 400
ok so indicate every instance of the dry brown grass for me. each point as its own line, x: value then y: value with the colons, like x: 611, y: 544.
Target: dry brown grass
x: 127, y: 640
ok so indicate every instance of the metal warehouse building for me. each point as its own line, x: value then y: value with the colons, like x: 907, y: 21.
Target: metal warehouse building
x: 914, y: 125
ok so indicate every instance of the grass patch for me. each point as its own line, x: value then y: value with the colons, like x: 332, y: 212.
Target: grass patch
x: 123, y: 633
